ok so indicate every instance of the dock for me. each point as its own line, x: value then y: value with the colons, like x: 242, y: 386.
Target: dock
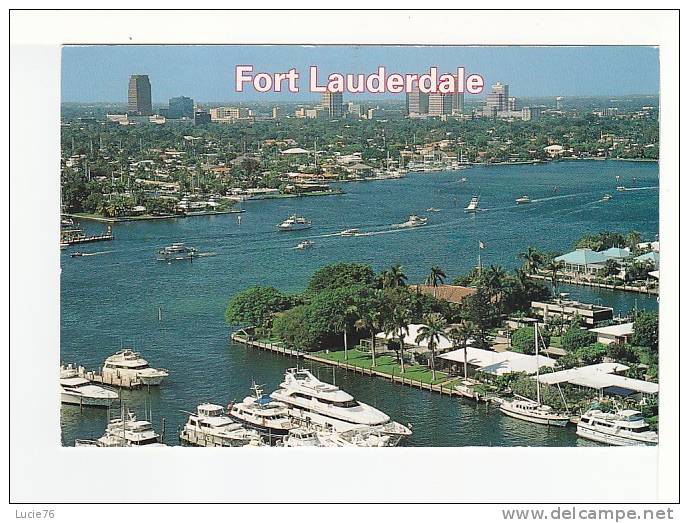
x: 587, y: 283
x: 87, y: 239
x: 113, y: 381
x: 439, y: 388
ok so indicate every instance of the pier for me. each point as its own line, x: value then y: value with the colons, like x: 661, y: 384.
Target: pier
x: 439, y: 388
x: 112, y: 380
x: 87, y: 239
x: 587, y: 283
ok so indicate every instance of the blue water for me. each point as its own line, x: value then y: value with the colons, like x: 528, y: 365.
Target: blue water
x: 112, y: 299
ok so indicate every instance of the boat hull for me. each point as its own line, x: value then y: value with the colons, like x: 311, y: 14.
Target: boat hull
x: 611, y: 439
x: 555, y: 422
x: 273, y: 434
x: 85, y: 401
x: 200, y: 439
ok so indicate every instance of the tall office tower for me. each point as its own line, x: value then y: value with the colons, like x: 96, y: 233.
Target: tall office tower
x: 511, y: 103
x: 181, y: 107
x: 140, y: 95
x: 497, y: 99
x: 332, y: 102
x: 417, y: 103
x: 439, y: 104
x: 559, y: 101
x: 458, y: 103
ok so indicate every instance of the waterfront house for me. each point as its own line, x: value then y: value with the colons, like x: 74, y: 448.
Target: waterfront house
x: 585, y: 261
x: 497, y: 363
x: 617, y: 253
x: 604, y: 378
x: 650, y: 257
x: 451, y: 293
x: 590, y: 314
x: 614, y: 333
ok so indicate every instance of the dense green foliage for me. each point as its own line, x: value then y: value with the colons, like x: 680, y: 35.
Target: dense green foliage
x: 646, y: 330
x: 523, y: 340
x: 256, y: 306
x: 576, y: 338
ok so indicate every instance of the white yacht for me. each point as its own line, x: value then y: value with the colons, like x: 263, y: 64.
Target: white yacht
x: 361, y: 437
x: 77, y: 390
x: 523, y: 199
x: 177, y: 251
x: 301, y: 437
x: 534, y: 411
x: 623, y: 428
x: 294, y: 223
x: 413, y: 221
x: 211, y: 427
x: 473, y: 205
x: 263, y: 414
x: 126, y: 431
x: 350, y: 232
x: 326, y: 405
x: 128, y: 365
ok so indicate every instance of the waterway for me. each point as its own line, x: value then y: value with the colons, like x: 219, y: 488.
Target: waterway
x: 112, y: 299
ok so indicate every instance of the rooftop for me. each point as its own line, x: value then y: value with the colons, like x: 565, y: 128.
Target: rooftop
x: 624, y: 329
x: 583, y: 257
x: 451, y: 293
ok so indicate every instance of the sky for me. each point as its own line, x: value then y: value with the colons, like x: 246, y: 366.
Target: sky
x: 207, y: 73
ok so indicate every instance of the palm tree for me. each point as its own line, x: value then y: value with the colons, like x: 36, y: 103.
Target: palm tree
x: 494, y: 279
x: 396, y: 276
x: 350, y: 311
x: 436, y: 277
x: 431, y: 333
x: 533, y: 259
x: 553, y: 268
x: 370, y: 321
x: 460, y: 334
x: 399, y: 324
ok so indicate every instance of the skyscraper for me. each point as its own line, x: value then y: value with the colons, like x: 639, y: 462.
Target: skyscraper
x: 458, y: 103
x: 140, y: 95
x: 439, y: 104
x: 181, y: 107
x: 417, y: 103
x: 497, y: 99
x: 332, y: 102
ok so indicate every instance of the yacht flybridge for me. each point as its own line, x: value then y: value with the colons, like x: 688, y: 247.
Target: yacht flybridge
x: 211, y: 427
x: 310, y: 400
x: 77, y: 390
x: 129, y: 365
x: 534, y: 411
x: 623, y: 428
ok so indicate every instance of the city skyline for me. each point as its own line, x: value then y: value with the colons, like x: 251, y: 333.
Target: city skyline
x: 97, y: 73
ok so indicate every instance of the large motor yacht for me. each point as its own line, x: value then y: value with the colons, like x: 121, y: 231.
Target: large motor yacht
x: 211, y: 427
x: 294, y: 223
x: 314, y: 401
x: 77, y: 390
x: 126, y: 431
x: 623, y: 428
x: 177, y: 251
x: 127, y: 365
x: 263, y: 414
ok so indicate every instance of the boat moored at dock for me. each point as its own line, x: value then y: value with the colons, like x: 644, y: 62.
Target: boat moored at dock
x: 130, y: 366
x: 260, y: 412
x: 624, y: 428
x: 77, y: 390
x: 126, y: 431
x: 210, y: 426
x: 312, y: 401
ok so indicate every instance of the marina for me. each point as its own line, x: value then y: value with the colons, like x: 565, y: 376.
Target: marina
x: 191, y: 339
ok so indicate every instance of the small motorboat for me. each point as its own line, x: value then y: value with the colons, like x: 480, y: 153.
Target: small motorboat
x: 473, y: 205
x: 306, y: 244
x: 432, y: 209
x: 76, y: 254
x: 607, y: 197
x: 621, y: 188
x: 350, y: 232
x: 523, y: 199
x: 413, y: 221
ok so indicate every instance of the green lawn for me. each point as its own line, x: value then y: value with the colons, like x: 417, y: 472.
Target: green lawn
x: 385, y: 363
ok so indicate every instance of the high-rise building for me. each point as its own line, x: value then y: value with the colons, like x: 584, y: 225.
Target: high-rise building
x: 497, y: 99
x: 180, y: 107
x: 511, y: 103
x: 139, y: 95
x: 276, y: 112
x: 559, y: 101
x: 201, y: 117
x: 417, y: 103
x: 458, y: 103
x: 439, y: 104
x: 332, y: 102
